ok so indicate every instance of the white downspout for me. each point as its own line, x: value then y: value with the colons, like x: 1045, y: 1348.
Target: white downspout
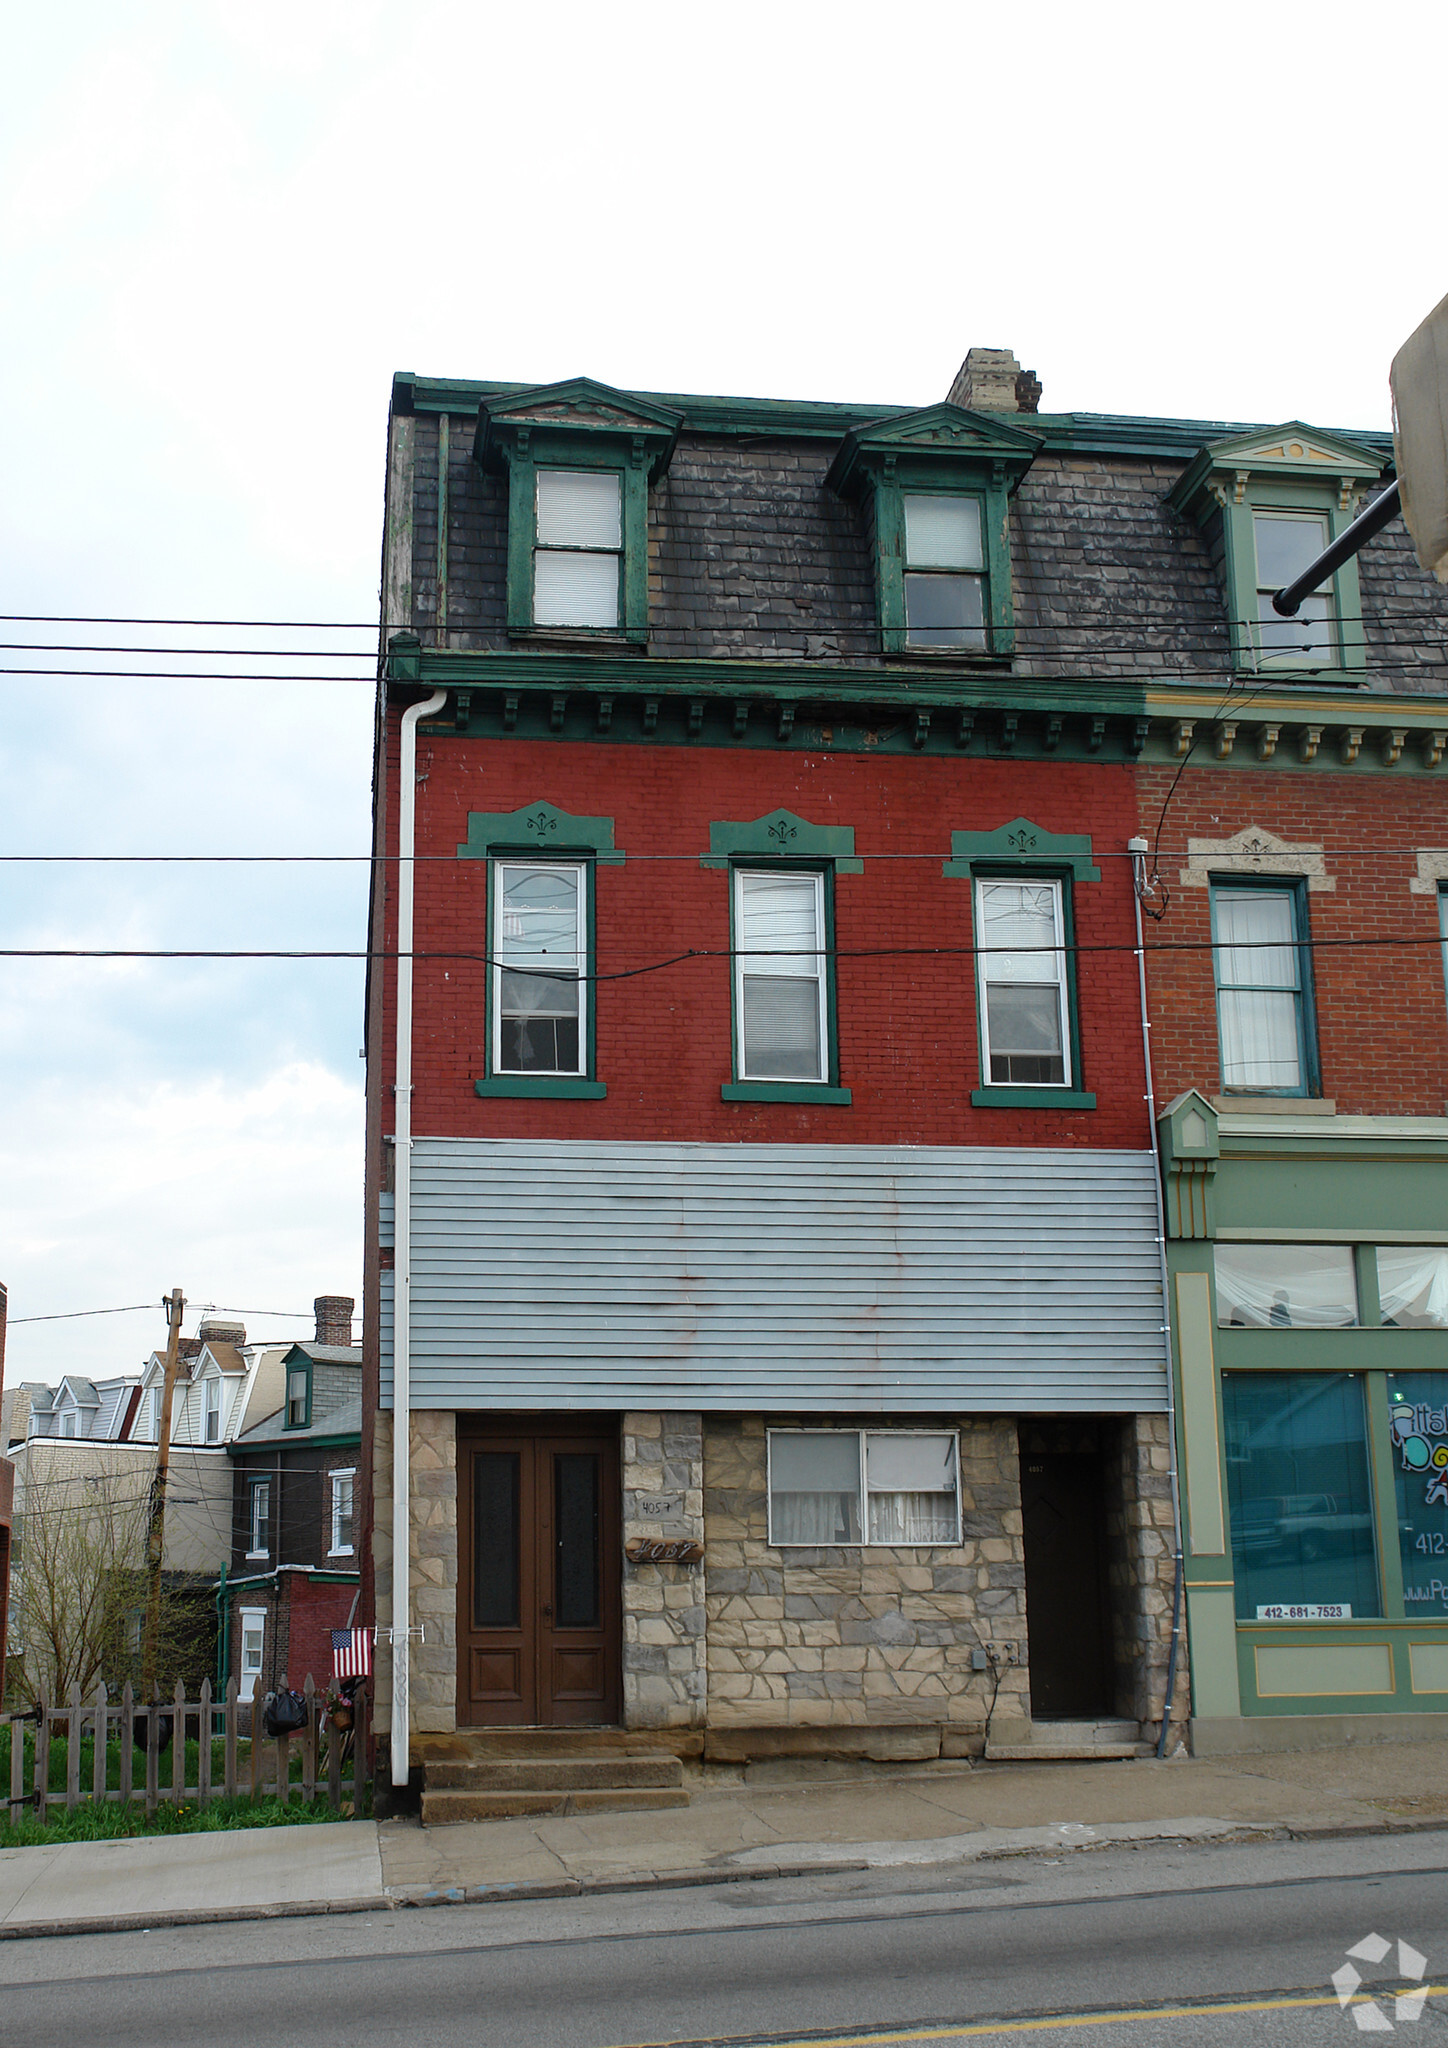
x: 402, y: 1256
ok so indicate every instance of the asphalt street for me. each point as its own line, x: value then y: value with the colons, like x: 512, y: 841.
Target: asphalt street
x: 1171, y: 1945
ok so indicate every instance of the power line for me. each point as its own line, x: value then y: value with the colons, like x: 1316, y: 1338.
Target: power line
x: 73, y: 1314
x: 1389, y: 941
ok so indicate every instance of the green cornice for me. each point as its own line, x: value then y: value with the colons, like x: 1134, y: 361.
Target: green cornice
x: 940, y: 435
x: 1058, y: 433
x: 896, y: 708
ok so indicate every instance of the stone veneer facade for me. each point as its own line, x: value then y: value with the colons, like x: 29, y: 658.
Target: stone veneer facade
x: 808, y: 1638
x: 761, y: 1638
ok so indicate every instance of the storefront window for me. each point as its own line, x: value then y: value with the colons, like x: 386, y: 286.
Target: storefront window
x: 1418, y: 1412
x: 1413, y: 1285
x: 1285, y: 1286
x: 1301, y: 1503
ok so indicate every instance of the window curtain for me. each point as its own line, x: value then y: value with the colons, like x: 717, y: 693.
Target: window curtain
x: 1285, y: 1286
x: 911, y: 1485
x: 1413, y: 1286
x: 1257, y: 989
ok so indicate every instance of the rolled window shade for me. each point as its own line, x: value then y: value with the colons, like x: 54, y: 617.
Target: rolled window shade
x: 910, y: 1464
x: 579, y: 508
x: 814, y: 1461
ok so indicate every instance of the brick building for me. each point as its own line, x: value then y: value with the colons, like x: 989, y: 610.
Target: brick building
x: 758, y: 1137
x: 294, y: 1572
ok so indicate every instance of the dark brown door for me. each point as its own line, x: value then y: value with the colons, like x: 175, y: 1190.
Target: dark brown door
x: 1063, y: 1513
x: 539, y: 1598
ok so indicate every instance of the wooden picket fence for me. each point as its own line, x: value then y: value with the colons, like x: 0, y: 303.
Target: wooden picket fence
x: 254, y: 1765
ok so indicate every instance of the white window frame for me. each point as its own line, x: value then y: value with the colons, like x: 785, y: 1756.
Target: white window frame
x: 613, y: 626
x: 211, y: 1410
x: 974, y: 639
x: 863, y: 1505
x: 68, y: 1422
x: 582, y: 869
x: 983, y: 977
x: 794, y: 966
x: 250, y: 1621
x: 349, y: 1474
x: 1295, y: 654
x: 254, y: 1487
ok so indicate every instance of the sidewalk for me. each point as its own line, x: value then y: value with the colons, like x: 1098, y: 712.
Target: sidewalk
x: 784, y: 1817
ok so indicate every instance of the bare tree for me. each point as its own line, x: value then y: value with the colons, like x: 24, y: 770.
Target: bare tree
x: 80, y: 1587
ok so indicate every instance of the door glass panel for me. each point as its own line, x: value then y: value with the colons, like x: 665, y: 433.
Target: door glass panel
x: 575, y: 1530
x: 495, y: 1539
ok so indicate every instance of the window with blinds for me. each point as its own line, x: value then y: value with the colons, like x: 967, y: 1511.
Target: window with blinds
x: 578, y: 559
x: 1021, y: 976
x: 780, y: 991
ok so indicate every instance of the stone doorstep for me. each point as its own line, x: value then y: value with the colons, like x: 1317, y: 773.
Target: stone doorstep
x: 474, y: 1744
x: 555, y: 1774
x: 1067, y: 1752
x: 447, y: 1805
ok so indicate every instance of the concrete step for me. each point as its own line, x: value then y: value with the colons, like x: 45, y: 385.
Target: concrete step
x: 442, y: 1807
x: 554, y: 1773
x: 469, y: 1743
x: 1066, y: 1752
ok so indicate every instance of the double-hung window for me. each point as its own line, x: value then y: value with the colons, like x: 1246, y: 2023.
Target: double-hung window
x: 781, y: 995
x: 212, y: 1411
x: 578, y: 559
x: 1264, y: 1022
x: 945, y: 571
x: 1285, y: 544
x: 863, y: 1486
x: 540, y: 957
x: 342, y: 1521
x: 299, y: 1395
x: 253, y: 1639
x: 1022, y: 985
x: 259, y: 1519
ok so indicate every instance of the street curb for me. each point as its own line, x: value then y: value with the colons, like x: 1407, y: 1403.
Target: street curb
x: 191, y: 1916
x: 590, y: 1887
x: 397, y: 1898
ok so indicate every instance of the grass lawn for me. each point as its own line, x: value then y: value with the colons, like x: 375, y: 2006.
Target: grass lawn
x: 92, y: 1821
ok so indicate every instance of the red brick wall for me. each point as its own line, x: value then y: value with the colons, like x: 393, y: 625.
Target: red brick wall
x: 907, y: 1026
x: 1381, y: 1016
x: 316, y: 1608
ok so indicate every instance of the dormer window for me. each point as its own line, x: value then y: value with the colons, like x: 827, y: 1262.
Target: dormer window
x: 579, y: 458
x: 578, y: 562
x: 935, y: 487
x: 299, y: 1394
x: 945, y: 575
x: 1268, y: 502
x: 212, y: 1411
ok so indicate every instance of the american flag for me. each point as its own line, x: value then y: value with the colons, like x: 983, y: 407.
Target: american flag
x: 351, y: 1653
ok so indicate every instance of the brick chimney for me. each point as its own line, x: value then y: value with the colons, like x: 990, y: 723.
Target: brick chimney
x: 991, y: 380
x: 215, y: 1330
x: 334, y: 1318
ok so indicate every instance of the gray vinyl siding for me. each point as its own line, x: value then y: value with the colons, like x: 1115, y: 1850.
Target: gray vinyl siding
x: 781, y: 1278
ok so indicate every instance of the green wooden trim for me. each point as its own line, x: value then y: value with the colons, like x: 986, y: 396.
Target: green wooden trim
x: 783, y: 1091
x: 574, y: 1087
x: 781, y: 835
x: 246, y: 1447
x: 585, y: 837
x: 1385, y: 1494
x: 287, y: 1370
x: 814, y: 1091
x: 1370, y: 1307
x: 539, y: 828
x: 1031, y: 1098
x: 987, y: 487
x: 522, y: 522
x: 1295, y: 887
x: 1021, y: 844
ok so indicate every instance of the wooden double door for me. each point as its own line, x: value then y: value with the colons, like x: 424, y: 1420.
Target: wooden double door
x: 540, y: 1573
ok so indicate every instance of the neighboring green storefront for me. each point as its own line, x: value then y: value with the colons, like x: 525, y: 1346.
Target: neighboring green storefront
x: 1308, y: 1257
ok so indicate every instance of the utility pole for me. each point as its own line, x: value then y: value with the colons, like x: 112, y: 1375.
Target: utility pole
x: 175, y: 1307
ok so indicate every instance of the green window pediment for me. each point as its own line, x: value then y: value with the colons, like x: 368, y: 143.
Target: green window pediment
x: 578, y: 426
x: 540, y: 828
x: 1021, y: 844
x: 781, y: 835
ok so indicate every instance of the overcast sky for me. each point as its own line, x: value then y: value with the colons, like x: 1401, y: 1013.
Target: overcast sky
x: 223, y: 227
